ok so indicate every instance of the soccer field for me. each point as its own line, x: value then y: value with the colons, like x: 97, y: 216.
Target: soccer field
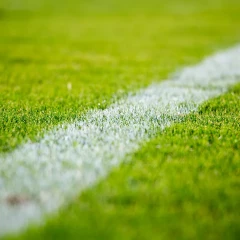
x: 119, y: 119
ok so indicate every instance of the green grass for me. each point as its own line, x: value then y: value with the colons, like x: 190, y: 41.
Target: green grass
x: 182, y: 185
x: 101, y: 55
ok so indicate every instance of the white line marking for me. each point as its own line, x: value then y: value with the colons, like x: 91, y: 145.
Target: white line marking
x: 38, y: 178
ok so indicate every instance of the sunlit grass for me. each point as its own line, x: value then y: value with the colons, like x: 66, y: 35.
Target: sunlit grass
x: 182, y: 185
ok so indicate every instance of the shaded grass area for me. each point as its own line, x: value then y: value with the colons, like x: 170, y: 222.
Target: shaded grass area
x: 57, y: 63
x: 182, y: 185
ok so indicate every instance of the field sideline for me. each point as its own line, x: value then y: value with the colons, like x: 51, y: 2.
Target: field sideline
x: 89, y: 67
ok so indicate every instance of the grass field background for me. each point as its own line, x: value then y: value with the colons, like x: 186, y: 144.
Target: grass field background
x: 58, y: 60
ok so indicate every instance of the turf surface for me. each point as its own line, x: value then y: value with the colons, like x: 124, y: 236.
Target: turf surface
x: 182, y: 185
x: 101, y: 56
x: 57, y: 61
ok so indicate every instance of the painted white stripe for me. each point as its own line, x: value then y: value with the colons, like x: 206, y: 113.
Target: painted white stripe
x: 38, y: 178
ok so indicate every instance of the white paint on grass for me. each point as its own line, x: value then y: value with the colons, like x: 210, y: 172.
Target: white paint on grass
x: 39, y: 177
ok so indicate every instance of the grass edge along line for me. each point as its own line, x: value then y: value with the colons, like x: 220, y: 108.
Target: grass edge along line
x: 75, y: 156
